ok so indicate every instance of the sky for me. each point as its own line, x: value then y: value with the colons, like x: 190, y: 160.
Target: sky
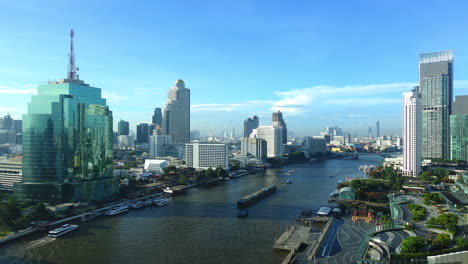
x: 321, y: 63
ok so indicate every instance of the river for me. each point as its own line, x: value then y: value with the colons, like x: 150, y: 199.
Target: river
x: 199, y: 227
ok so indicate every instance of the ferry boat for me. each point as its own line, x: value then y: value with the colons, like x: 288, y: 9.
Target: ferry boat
x: 62, y: 230
x: 116, y: 211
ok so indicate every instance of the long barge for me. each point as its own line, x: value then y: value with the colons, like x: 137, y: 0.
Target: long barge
x: 256, y: 196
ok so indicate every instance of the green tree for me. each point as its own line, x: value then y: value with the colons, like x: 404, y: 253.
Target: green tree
x: 210, y: 173
x: 221, y: 173
x: 9, y: 214
x: 441, y: 241
x: 413, y: 245
x: 460, y: 242
x: 182, y: 179
x: 39, y: 212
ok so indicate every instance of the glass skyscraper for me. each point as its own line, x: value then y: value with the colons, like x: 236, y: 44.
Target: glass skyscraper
x: 459, y: 129
x: 436, y: 89
x: 67, y: 145
x: 123, y: 128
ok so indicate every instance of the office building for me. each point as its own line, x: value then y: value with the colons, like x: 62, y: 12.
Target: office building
x: 17, y: 126
x: 176, y: 113
x: 315, y: 145
x: 144, y: 131
x: 369, y: 132
x: 206, y: 155
x: 158, y: 145
x: 278, y: 122
x: 436, y: 89
x: 125, y: 141
x: 7, y: 122
x: 250, y: 124
x: 459, y: 129
x: 255, y: 147
x: 412, y: 125
x: 157, y: 117
x: 123, y: 128
x: 67, y: 143
x: 274, y: 138
x: 10, y: 173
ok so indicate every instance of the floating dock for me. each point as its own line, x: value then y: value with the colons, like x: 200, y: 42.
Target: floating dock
x: 256, y: 196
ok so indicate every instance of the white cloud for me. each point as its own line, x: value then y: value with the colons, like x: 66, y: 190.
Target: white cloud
x: 113, y: 97
x: 12, y: 90
x: 363, y: 101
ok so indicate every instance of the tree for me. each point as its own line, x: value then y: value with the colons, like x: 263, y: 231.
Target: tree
x: 221, y: 173
x: 210, y: 173
x: 413, y: 245
x: 39, y: 212
x: 460, y: 242
x: 182, y: 179
x: 441, y: 241
x: 9, y: 213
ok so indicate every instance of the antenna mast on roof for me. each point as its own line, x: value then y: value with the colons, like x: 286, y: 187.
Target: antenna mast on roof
x: 71, y: 61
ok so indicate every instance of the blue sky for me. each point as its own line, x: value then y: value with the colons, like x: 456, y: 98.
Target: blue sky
x: 320, y: 62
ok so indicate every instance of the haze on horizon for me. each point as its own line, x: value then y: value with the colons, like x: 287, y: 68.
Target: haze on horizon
x: 321, y: 64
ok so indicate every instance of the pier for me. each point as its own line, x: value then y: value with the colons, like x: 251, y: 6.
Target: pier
x: 301, y: 242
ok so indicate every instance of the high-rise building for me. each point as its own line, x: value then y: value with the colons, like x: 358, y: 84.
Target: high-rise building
x: 67, y: 143
x: 255, y: 147
x: 250, y: 124
x: 278, y: 121
x: 17, y: 126
x: 369, y: 132
x: 315, y: 145
x: 459, y: 129
x: 143, y: 133
x: 176, y: 113
x: 412, y: 125
x: 123, y: 128
x: 125, y: 141
x: 206, y: 155
x: 436, y: 89
x: 158, y: 144
x: 274, y: 138
x: 377, y: 129
x: 157, y: 117
x: 7, y: 122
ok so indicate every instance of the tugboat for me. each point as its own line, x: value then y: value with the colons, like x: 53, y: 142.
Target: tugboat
x: 243, y: 213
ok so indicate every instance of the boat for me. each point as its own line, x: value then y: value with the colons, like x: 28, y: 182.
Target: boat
x: 243, y: 213
x: 162, y: 202
x: 137, y: 205
x: 288, y: 182
x: 256, y: 196
x: 291, y: 171
x: 148, y: 203
x: 168, y: 191
x: 119, y: 210
x: 62, y: 230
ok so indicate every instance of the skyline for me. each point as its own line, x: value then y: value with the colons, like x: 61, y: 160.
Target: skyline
x: 135, y: 61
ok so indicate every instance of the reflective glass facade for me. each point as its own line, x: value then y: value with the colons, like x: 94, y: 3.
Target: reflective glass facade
x: 436, y: 89
x: 67, y: 145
